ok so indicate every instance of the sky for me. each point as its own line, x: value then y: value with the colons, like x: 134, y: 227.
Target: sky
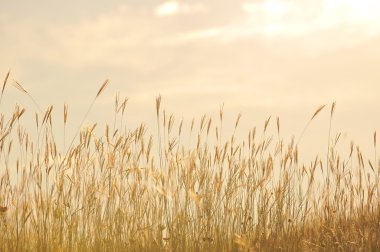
x: 260, y: 58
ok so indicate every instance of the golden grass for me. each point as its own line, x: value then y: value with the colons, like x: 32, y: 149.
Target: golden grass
x: 127, y: 190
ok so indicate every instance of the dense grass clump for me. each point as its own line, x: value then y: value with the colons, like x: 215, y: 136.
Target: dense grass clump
x: 129, y: 190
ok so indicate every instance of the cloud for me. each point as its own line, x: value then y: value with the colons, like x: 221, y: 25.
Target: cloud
x: 351, y: 15
x: 271, y: 8
x: 112, y: 37
x: 174, y: 7
x: 357, y: 11
x: 188, y: 37
x: 322, y: 24
x: 276, y: 17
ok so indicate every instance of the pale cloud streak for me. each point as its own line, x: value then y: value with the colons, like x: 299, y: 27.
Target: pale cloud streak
x: 271, y: 8
x: 170, y: 8
x: 188, y: 37
x: 274, y: 17
x: 341, y: 23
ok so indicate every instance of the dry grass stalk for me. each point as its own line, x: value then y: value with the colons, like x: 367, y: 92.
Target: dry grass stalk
x: 4, y: 84
x: 102, y: 88
x: 109, y: 192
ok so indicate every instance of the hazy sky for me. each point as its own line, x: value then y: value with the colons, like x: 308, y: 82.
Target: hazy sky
x: 258, y: 57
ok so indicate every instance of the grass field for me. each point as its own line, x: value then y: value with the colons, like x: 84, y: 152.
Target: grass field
x: 148, y: 190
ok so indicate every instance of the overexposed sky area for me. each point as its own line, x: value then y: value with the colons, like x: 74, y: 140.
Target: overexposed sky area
x: 258, y: 57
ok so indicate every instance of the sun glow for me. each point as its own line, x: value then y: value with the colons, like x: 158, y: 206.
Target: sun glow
x: 362, y: 11
x: 274, y: 17
x: 174, y: 7
x: 272, y: 9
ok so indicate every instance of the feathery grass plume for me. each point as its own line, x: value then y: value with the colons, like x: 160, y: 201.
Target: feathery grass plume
x: 16, y: 115
x: 332, y: 109
x: 221, y: 112
x: 278, y: 125
x: 192, y: 124
x: 209, y: 125
x: 4, y: 84
x: 329, y: 140
x: 202, y: 123
x: 170, y: 123
x: 374, y: 145
x: 308, y: 123
x: 123, y: 106
x: 47, y: 114
x: 158, y: 108
x: 65, y: 113
x: 17, y: 85
x: 351, y: 148
x: 267, y: 123
x: 374, y: 138
x: 180, y: 127
x: 370, y: 164
x: 237, y: 120
x: 319, y: 110
x: 158, y: 104
x: 101, y: 90
x: 4, y: 135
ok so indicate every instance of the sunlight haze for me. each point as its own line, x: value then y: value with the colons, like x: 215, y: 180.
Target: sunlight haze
x: 261, y: 58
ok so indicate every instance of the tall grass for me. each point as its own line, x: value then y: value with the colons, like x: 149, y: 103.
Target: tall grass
x: 129, y: 190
